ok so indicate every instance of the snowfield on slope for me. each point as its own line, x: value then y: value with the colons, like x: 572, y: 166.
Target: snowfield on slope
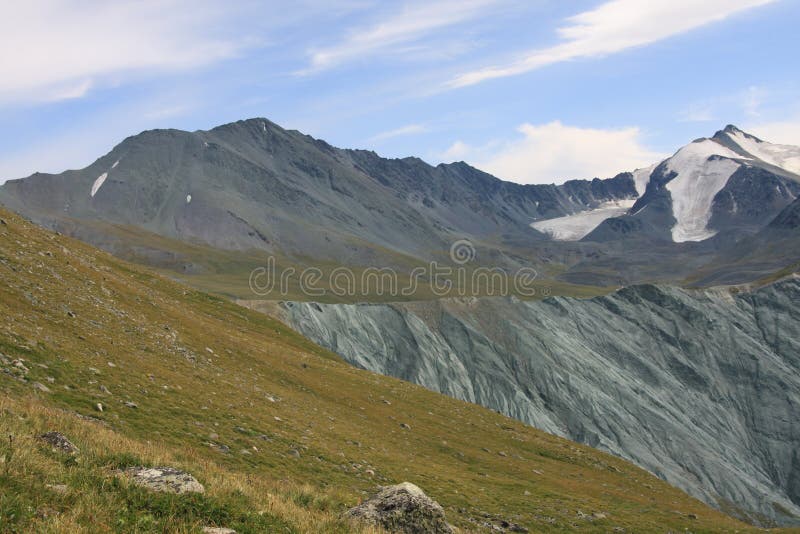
x: 641, y: 177
x: 702, y: 170
x: 98, y: 183
x: 578, y: 225
x: 786, y: 157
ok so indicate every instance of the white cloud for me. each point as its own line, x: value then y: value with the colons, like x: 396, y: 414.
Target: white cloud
x: 785, y: 132
x: 406, y: 26
x: 55, y: 49
x: 615, y: 26
x: 554, y: 153
x: 409, y: 129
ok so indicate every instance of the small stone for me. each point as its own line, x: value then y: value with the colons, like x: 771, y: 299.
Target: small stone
x: 502, y: 453
x: 405, y: 426
x: 218, y: 530
x: 164, y: 480
x: 370, y: 472
x: 104, y: 389
x: 99, y: 406
x: 130, y: 404
x: 294, y: 452
x: 224, y: 449
x: 38, y: 386
x: 59, y: 441
x: 692, y: 516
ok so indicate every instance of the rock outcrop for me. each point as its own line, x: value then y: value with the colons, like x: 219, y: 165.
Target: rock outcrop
x: 403, y: 508
x: 59, y: 442
x: 164, y: 479
x: 701, y: 388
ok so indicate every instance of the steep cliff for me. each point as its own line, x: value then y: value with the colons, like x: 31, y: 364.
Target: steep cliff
x: 700, y: 388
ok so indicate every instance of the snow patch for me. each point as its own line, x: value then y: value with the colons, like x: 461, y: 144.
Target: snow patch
x: 578, y: 225
x: 188, y: 198
x: 700, y: 176
x: 114, y: 166
x: 98, y: 183
x: 786, y: 157
x: 641, y: 177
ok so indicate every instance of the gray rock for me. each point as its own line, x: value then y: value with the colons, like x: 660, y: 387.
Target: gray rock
x: 164, y: 479
x: 701, y: 388
x: 402, y: 508
x: 59, y: 441
x: 218, y: 530
x: 41, y: 387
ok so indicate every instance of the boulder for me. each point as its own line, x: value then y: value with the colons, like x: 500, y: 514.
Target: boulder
x: 402, y: 508
x: 59, y: 441
x: 165, y: 480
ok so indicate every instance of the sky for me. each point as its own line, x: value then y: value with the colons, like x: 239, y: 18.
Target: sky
x: 533, y: 91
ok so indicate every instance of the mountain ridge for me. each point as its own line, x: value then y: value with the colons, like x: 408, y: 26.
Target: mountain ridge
x: 251, y: 189
x: 695, y: 386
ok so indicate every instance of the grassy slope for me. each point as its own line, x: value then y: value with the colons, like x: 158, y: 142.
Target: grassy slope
x: 227, y: 273
x: 203, y: 370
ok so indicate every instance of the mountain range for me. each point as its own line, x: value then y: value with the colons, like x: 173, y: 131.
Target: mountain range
x: 175, y: 199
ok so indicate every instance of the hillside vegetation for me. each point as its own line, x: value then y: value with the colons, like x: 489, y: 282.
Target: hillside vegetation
x: 283, y: 434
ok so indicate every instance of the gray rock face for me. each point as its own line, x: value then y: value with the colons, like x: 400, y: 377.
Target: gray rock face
x: 164, y: 479
x: 402, y: 508
x: 700, y: 388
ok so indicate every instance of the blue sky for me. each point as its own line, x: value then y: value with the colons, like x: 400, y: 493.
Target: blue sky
x: 533, y: 91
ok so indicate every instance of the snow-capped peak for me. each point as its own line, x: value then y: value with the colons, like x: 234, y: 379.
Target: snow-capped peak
x: 786, y: 157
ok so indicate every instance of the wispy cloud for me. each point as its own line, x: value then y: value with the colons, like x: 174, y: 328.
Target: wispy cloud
x: 414, y: 21
x: 727, y: 107
x: 554, y: 152
x: 612, y: 27
x: 409, y: 129
x: 56, y: 50
x: 785, y: 131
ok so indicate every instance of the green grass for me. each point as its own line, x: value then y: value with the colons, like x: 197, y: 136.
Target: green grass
x: 227, y: 273
x: 232, y: 396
